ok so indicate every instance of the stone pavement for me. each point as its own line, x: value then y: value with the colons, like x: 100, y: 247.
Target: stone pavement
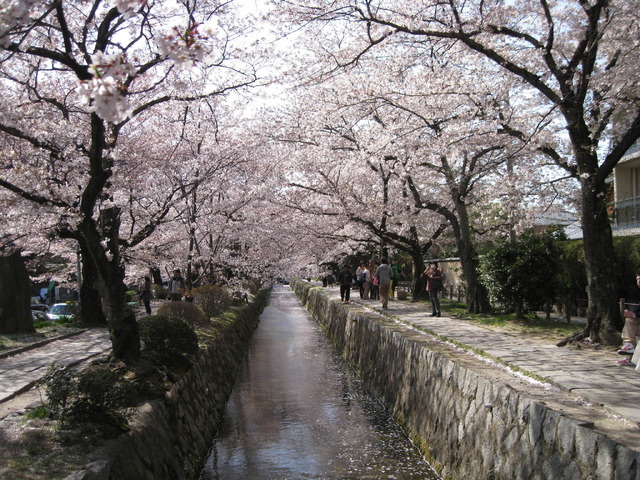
x: 19, y: 373
x: 590, y: 374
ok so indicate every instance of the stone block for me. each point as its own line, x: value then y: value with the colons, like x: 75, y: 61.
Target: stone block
x: 551, y: 466
x: 585, y: 442
x: 565, y: 436
x: 627, y: 465
x: 536, y: 418
x: 550, y: 427
x: 605, y: 458
x: 570, y: 471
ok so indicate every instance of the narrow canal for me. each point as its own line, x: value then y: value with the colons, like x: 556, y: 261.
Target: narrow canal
x: 299, y: 412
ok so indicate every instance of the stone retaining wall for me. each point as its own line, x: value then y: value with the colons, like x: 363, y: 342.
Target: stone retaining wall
x: 467, y: 424
x: 170, y: 438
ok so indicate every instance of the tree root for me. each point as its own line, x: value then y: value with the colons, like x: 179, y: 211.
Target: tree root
x: 574, y: 337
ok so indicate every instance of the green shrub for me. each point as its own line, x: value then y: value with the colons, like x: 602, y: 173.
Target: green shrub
x: 168, y: 335
x: 101, y: 390
x: 573, y: 278
x: 522, y: 272
x: 212, y: 299
x: 187, y: 311
x: 59, y: 385
x: 97, y: 395
x: 628, y: 256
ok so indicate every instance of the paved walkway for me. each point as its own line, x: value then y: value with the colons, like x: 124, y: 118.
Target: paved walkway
x: 20, y: 372
x: 591, y: 374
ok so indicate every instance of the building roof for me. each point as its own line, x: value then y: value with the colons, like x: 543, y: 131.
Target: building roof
x: 568, y: 220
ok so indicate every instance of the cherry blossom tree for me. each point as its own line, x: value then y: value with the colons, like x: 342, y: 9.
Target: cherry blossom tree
x: 79, y: 79
x: 213, y: 215
x: 453, y: 156
x: 575, y: 63
x: 342, y: 171
x: 226, y: 225
x: 431, y: 133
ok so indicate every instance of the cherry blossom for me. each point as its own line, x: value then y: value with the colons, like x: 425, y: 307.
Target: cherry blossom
x: 13, y: 13
x: 106, y: 92
x: 128, y: 6
x: 570, y: 63
x: 84, y: 91
x: 186, y: 46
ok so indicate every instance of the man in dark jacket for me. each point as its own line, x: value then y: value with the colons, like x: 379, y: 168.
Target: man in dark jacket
x: 345, y: 278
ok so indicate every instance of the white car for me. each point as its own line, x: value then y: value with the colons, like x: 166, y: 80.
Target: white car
x: 61, y: 310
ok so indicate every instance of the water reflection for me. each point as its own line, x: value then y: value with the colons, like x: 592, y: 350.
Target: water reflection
x: 298, y: 412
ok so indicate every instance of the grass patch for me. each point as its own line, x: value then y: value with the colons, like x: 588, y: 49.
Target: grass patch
x: 547, y: 327
x: 531, y: 324
x: 37, y: 413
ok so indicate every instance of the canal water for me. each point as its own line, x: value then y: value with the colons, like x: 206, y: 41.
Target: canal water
x: 299, y: 412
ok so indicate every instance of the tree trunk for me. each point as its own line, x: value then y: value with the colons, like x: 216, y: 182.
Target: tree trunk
x: 477, y: 295
x: 419, y: 284
x: 603, y: 315
x: 519, y: 308
x: 15, y: 294
x: 91, y: 312
x: 125, y: 336
x: 91, y: 234
x: 121, y: 319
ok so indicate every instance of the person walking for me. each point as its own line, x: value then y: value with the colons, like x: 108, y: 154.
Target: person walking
x: 176, y: 286
x: 631, y: 330
x: 383, y: 274
x: 345, y: 278
x: 359, y: 278
x: 434, y: 285
x: 363, y: 278
x: 373, y: 285
x: 395, y: 278
x: 145, y: 294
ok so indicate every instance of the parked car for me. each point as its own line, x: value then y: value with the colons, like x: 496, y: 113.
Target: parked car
x: 39, y: 315
x: 39, y: 306
x: 61, y: 310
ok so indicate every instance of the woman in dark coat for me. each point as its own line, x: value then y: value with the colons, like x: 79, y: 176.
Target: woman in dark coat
x: 434, y: 285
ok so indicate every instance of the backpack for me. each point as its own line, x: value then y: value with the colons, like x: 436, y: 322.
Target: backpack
x: 362, y: 277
